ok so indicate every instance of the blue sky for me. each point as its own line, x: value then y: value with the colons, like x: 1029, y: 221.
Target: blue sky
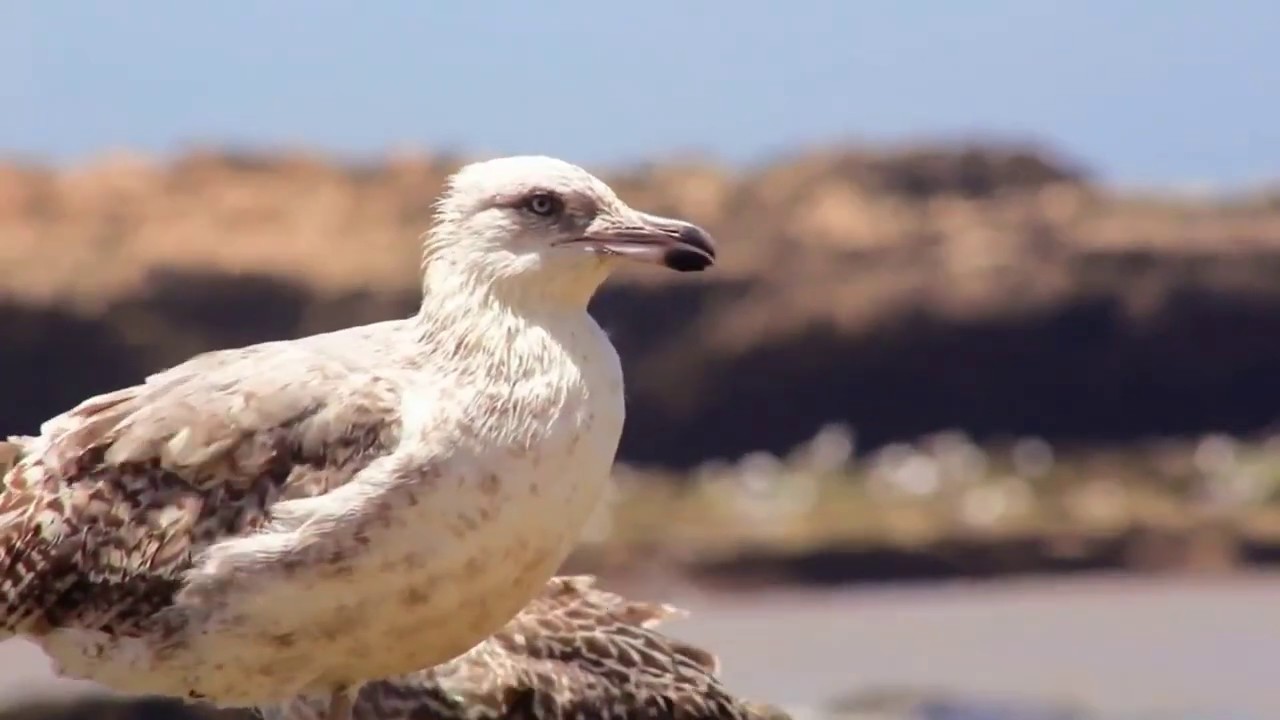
x: 1150, y: 92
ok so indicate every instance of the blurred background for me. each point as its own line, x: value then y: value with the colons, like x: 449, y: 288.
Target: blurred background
x: 976, y: 418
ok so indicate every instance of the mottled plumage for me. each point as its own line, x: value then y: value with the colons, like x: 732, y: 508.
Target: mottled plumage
x: 575, y: 652
x: 301, y: 516
x: 120, y: 492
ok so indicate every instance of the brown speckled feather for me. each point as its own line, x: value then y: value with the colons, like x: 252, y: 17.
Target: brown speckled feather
x: 103, y: 513
x: 574, y: 652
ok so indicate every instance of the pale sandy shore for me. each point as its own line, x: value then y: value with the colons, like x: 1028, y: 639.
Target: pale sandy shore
x: 1125, y: 646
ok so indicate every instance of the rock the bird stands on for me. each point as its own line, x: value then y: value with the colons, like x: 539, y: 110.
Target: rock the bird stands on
x: 299, y: 517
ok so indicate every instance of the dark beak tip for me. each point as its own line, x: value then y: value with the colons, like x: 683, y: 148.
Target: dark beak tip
x: 694, y: 251
x: 683, y: 259
x: 696, y: 237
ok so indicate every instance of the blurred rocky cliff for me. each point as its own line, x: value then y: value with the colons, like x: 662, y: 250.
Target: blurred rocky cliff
x: 995, y: 289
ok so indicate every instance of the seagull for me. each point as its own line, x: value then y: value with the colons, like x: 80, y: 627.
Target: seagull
x: 298, y: 517
x: 575, y: 651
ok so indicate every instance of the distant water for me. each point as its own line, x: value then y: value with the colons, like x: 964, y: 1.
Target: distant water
x: 1177, y: 648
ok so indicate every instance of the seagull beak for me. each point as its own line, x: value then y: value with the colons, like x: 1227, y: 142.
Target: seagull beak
x: 678, y: 245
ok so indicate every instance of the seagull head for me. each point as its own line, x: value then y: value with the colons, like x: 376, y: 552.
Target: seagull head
x: 536, y: 221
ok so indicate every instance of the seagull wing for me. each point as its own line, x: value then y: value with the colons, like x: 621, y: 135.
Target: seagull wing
x: 103, y: 512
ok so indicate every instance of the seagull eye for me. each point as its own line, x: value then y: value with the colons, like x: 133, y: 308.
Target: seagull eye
x: 543, y: 204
